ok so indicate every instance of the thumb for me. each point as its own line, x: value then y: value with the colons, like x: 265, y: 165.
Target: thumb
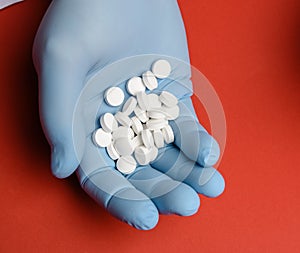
x: 61, y: 78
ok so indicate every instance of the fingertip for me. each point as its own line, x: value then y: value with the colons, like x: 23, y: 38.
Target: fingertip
x: 182, y: 200
x: 146, y: 219
x: 211, y: 183
x: 209, y: 156
x: 210, y: 153
x: 63, y: 161
x: 195, y: 142
x: 134, y: 208
x: 190, y: 203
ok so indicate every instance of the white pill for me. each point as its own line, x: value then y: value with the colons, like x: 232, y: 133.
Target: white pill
x: 161, y: 68
x: 155, y: 124
x: 135, y: 85
x: 129, y: 106
x: 149, y: 80
x: 168, y: 134
x: 155, y: 114
x: 123, y: 119
x: 158, y: 138
x: 137, y: 126
x: 143, y: 155
x: 147, y: 138
x: 153, y: 101
x: 168, y: 99
x: 114, y: 96
x: 171, y: 112
x: 124, y: 146
x: 122, y: 132
x: 142, y: 100
x: 126, y: 164
x: 101, y: 138
x: 141, y: 114
x: 112, y: 152
x: 108, y: 122
x: 137, y: 141
x: 153, y: 153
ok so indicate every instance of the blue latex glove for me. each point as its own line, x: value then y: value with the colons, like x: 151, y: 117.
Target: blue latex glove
x: 77, y: 39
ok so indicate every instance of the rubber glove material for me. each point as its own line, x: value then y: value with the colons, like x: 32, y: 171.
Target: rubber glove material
x: 78, y: 39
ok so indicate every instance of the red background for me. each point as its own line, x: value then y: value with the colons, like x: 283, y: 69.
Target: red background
x: 250, y: 51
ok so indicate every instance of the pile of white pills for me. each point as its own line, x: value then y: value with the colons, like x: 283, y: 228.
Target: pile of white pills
x: 134, y: 135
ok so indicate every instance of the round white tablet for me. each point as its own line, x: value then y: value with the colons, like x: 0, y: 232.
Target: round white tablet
x: 158, y: 138
x: 147, y: 138
x: 153, y: 153
x: 168, y: 99
x: 112, y: 152
x: 168, y: 134
x: 114, y: 96
x: 123, y: 119
x: 135, y: 85
x: 150, y: 80
x: 101, y: 138
x: 108, y: 122
x: 137, y: 126
x: 161, y: 68
x: 155, y: 124
x: 137, y: 141
x: 122, y: 132
x: 124, y: 146
x: 155, y: 114
x: 171, y: 112
x: 141, y: 114
x: 142, y: 155
x: 126, y: 164
x: 153, y: 101
x: 142, y: 100
x: 129, y: 106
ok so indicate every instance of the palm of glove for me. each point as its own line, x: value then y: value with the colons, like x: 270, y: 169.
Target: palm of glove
x: 78, y: 39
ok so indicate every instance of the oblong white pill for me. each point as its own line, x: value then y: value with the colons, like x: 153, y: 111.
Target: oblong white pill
x: 112, y: 152
x: 142, y: 155
x: 161, y: 68
x: 168, y: 99
x: 114, y: 96
x: 171, y: 112
x: 122, y: 132
x: 129, y: 106
x: 153, y: 101
x: 101, y: 138
x: 137, y: 126
x: 168, y: 134
x: 142, y: 100
x: 158, y: 138
x: 135, y: 85
x: 147, y: 138
x: 149, y: 80
x: 123, y: 119
x: 108, y: 122
x: 126, y: 164
x: 141, y: 114
x: 155, y: 124
x: 124, y: 146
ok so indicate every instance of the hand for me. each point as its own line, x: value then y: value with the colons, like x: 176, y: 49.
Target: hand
x: 77, y: 39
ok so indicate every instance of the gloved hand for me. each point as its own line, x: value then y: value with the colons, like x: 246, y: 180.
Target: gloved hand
x: 77, y: 39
